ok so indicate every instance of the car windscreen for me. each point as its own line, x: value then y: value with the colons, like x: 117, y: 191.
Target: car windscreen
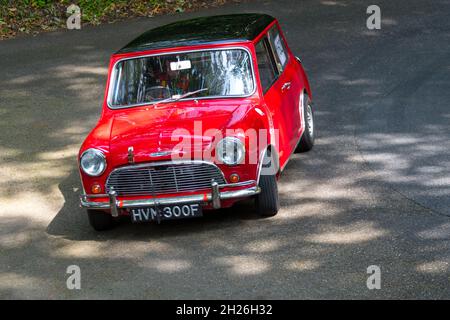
x: 198, y: 74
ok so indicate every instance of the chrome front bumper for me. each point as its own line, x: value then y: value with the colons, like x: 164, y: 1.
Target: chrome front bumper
x: 213, y: 197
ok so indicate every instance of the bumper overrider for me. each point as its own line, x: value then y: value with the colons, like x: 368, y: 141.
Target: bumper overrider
x: 212, y: 197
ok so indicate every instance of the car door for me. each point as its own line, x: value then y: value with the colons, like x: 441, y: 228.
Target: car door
x: 276, y: 86
x: 291, y: 87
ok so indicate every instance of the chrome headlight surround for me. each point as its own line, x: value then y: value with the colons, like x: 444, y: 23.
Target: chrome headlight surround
x: 230, y: 151
x: 93, y: 162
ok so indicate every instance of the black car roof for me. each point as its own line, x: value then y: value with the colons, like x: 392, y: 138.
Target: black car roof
x: 204, y: 30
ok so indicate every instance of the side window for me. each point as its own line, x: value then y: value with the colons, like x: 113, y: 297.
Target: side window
x: 279, y: 48
x: 266, y: 64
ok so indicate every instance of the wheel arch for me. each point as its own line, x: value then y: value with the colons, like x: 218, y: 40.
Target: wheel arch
x: 273, y: 150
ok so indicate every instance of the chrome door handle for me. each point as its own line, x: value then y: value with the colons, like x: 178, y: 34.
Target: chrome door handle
x: 286, y: 86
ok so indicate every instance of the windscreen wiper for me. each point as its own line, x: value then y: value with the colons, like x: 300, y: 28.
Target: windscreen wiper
x: 177, y: 97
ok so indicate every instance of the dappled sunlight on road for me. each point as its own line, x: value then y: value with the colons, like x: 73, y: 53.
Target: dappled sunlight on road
x: 355, y: 233
x: 261, y: 246
x: 435, y: 267
x: 31, y: 206
x: 81, y: 250
x: 302, y: 265
x: 244, y: 265
x: 333, y: 3
x: 166, y: 265
x: 15, y: 284
x: 440, y: 232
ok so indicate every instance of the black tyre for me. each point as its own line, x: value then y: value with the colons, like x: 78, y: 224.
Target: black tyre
x: 100, y: 220
x: 307, y: 140
x: 267, y: 201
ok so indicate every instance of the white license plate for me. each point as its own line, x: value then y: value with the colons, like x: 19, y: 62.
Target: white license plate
x: 170, y: 212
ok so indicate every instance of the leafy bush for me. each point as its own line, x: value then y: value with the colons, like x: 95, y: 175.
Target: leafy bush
x: 32, y: 16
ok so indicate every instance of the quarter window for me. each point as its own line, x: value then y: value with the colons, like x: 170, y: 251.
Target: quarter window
x: 279, y: 47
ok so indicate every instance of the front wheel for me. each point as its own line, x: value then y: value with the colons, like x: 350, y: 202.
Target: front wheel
x: 307, y: 140
x: 100, y: 220
x: 267, y: 201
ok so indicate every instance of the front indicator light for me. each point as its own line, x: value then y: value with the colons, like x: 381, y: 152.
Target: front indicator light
x: 234, y: 178
x: 96, y: 189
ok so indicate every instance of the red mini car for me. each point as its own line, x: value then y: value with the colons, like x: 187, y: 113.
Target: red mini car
x: 197, y: 115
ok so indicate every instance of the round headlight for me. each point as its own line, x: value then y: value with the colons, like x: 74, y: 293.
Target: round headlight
x: 93, y: 162
x: 230, y: 151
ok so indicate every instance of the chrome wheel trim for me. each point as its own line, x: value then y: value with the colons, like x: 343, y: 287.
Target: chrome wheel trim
x: 309, y: 120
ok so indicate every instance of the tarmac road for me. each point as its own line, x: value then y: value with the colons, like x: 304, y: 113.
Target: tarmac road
x: 374, y: 191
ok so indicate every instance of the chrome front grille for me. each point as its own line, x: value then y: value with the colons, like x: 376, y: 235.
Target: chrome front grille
x: 162, y: 178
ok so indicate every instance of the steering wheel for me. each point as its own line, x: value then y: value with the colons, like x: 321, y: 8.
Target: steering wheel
x: 157, y: 93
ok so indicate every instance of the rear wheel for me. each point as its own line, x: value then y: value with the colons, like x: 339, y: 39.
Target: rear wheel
x: 307, y: 140
x: 267, y: 201
x: 100, y: 220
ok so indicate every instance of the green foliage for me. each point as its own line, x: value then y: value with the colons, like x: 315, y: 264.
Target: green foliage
x: 32, y: 16
x: 93, y: 9
x: 38, y: 3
